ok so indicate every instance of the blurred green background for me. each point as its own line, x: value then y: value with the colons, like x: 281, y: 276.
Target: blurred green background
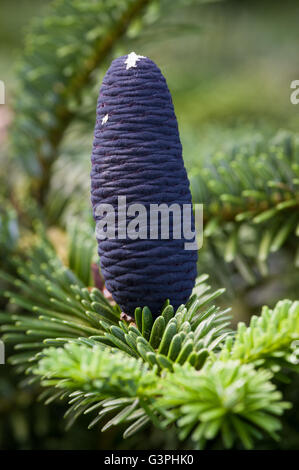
x: 229, y: 66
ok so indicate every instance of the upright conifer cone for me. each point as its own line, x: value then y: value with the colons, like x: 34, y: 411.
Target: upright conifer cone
x: 137, y: 153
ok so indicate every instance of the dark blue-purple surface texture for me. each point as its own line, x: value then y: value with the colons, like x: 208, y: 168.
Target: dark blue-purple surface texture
x: 137, y: 153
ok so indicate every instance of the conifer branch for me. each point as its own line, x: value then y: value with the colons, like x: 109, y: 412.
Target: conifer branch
x: 251, y: 203
x: 271, y: 339
x: 62, y: 51
x: 148, y: 372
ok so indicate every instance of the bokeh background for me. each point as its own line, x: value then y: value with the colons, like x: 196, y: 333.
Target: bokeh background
x: 229, y: 65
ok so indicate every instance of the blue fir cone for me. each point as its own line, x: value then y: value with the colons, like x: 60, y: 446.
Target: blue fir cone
x: 137, y: 153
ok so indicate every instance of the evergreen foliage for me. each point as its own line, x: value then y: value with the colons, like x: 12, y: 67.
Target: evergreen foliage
x: 62, y: 49
x: 63, y: 308
x: 251, y: 203
x: 185, y: 367
x: 188, y: 369
x: 227, y: 398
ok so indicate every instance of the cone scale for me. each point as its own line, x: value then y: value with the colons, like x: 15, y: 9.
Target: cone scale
x: 137, y: 153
